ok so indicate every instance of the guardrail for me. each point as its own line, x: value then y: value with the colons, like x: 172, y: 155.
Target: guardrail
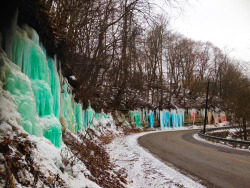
x: 232, y: 142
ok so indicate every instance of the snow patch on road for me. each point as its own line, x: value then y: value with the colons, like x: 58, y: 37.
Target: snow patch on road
x: 143, y: 168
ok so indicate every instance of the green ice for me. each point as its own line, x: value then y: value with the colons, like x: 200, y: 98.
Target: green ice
x: 55, y: 86
x: 31, y: 58
x: 135, y: 116
x: 88, y: 117
x: 42, y: 96
x: 20, y: 87
x: 53, y: 129
x: 77, y: 109
x: 66, y: 108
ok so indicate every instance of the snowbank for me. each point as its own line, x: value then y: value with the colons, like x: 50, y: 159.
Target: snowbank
x: 144, y: 169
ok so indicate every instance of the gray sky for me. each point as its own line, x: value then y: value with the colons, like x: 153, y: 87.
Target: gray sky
x: 225, y: 23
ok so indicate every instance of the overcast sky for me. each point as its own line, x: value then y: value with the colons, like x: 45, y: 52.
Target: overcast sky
x: 225, y: 23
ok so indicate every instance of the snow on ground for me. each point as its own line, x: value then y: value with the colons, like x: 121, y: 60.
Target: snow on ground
x: 106, y: 126
x: 50, y: 159
x: 143, y: 168
x: 224, y: 124
x: 197, y: 137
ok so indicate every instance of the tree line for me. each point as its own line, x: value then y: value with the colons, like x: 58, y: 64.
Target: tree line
x: 125, y: 56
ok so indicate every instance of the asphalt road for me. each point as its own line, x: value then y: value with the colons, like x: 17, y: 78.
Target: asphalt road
x: 213, y: 166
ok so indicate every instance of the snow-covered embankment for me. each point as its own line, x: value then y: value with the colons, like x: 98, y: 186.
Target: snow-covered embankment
x: 143, y: 168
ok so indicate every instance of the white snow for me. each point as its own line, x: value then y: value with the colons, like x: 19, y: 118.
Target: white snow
x: 9, y: 117
x: 50, y: 159
x: 73, y: 77
x: 143, y: 168
x: 100, y: 126
x: 46, y: 155
x: 197, y: 137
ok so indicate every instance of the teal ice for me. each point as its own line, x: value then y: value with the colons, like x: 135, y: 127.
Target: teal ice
x: 165, y: 120
x: 20, y: 87
x: 54, y: 82
x: 151, y: 119
x: 138, y: 118
x: 135, y: 116
x: 71, y: 110
x: 88, y: 117
x: 43, y: 94
x: 43, y: 82
x: 100, y: 115
x: 77, y: 110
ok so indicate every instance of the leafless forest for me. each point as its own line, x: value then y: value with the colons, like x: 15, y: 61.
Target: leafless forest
x: 125, y: 56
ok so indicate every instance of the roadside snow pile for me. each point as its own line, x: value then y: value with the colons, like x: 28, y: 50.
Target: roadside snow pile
x: 232, y: 134
x: 224, y: 144
x: 143, y: 169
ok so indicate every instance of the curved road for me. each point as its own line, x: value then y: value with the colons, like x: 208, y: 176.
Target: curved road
x: 213, y: 166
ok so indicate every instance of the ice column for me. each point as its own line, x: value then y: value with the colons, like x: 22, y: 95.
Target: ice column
x: 31, y: 58
x: 151, y: 118
x: 88, y: 117
x: 167, y: 119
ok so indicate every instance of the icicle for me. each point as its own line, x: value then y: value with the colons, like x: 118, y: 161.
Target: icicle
x: 77, y: 109
x: 55, y: 86
x: 151, y: 118
x: 180, y: 117
x: 88, y: 117
x: 167, y: 119
x: 138, y: 118
x: 162, y: 120
x: 174, y: 118
x: 132, y: 115
x: 67, y: 107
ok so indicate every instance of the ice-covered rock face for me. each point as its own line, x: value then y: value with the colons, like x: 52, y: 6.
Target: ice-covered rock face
x: 33, y: 79
x: 34, y: 84
x: 19, y: 86
x: 9, y: 117
x: 31, y: 58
